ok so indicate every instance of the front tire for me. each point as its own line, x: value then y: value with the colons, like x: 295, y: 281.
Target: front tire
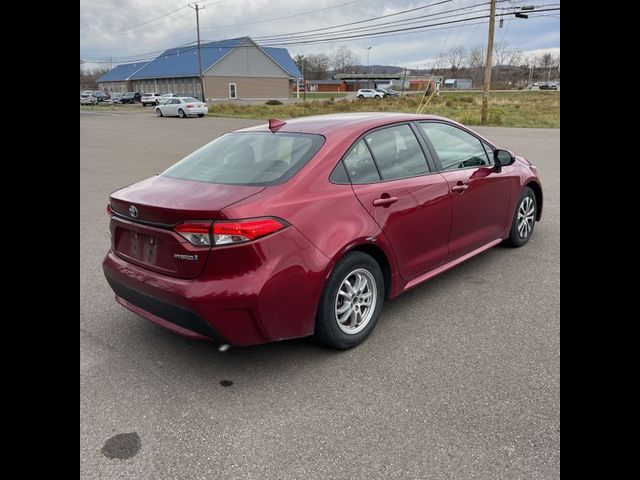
x: 158, y: 112
x: 181, y: 113
x: 524, y: 219
x: 351, y: 302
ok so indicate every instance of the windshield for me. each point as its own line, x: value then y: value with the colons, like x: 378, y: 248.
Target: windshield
x: 248, y: 158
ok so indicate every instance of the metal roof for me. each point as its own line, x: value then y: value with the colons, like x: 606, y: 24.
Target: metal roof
x: 183, y: 61
x: 121, y: 72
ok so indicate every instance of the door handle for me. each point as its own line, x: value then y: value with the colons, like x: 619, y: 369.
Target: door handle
x: 459, y: 188
x: 384, y: 202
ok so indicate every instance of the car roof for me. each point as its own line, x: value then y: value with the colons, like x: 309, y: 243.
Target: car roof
x: 326, y: 124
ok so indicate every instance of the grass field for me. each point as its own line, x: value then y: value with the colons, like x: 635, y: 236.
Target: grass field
x: 319, y: 95
x: 506, y: 109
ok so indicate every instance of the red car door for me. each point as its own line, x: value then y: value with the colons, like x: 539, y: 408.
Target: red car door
x: 391, y: 178
x: 480, y: 195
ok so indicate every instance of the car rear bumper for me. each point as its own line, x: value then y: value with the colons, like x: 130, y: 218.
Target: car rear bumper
x: 247, y: 294
x: 196, y: 111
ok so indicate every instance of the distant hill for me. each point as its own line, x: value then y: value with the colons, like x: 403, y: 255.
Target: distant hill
x: 382, y: 69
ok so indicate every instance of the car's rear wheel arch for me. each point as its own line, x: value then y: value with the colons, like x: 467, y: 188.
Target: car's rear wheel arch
x: 537, y: 191
x: 378, y: 255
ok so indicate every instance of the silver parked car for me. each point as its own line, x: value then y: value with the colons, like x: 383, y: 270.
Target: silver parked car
x: 182, y: 107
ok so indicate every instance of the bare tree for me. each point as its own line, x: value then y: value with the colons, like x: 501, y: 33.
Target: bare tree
x: 343, y: 60
x: 298, y: 60
x: 475, y: 57
x: 455, y: 57
x: 545, y: 61
x: 317, y: 66
x: 504, y: 55
x: 439, y: 62
x: 474, y: 60
x: 108, y: 64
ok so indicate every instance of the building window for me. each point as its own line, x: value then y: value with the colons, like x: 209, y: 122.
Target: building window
x: 233, y: 93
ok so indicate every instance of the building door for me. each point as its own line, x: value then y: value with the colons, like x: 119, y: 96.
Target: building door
x: 232, y: 91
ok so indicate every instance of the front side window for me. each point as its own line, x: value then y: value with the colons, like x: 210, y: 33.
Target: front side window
x: 359, y: 164
x: 397, y: 152
x: 455, y: 147
x: 251, y: 158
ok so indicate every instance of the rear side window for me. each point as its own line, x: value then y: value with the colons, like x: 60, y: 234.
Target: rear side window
x: 251, y: 158
x: 397, y: 152
x: 359, y: 164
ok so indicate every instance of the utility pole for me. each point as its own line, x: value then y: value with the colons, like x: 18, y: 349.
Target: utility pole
x: 487, y: 68
x: 404, y: 80
x: 304, y: 74
x: 368, y: 68
x: 197, y: 9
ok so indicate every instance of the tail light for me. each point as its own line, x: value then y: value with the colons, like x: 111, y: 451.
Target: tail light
x: 228, y: 232
x: 189, y: 105
x: 197, y: 233
x: 109, y: 209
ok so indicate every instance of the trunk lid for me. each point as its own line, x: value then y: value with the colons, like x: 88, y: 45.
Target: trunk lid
x: 145, y: 213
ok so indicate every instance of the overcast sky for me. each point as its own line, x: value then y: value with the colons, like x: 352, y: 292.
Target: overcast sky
x: 131, y: 30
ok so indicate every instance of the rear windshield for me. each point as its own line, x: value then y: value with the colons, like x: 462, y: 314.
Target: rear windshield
x: 248, y: 158
x: 190, y: 99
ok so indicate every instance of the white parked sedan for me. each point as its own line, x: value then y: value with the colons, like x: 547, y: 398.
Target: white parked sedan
x: 182, y: 107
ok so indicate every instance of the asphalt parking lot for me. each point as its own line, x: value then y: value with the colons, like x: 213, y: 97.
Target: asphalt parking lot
x: 459, y: 380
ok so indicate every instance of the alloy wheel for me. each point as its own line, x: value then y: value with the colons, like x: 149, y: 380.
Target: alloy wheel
x: 356, y: 301
x: 526, y: 217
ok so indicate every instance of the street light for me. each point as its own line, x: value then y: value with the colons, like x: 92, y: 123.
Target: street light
x: 368, y: 68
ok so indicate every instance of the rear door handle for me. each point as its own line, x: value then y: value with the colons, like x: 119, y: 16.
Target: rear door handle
x: 459, y: 188
x: 383, y: 202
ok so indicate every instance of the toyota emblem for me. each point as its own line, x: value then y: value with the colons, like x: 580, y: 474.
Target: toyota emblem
x: 133, y: 211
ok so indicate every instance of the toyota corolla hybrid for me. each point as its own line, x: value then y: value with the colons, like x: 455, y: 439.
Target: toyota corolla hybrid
x: 306, y: 227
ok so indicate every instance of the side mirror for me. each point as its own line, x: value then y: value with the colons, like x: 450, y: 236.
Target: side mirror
x: 503, y: 158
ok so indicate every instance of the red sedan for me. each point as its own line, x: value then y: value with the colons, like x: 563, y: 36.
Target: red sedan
x: 307, y: 227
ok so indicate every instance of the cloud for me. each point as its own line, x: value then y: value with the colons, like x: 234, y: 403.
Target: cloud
x: 122, y: 30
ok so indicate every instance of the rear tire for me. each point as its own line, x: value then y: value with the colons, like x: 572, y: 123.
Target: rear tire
x: 201, y: 115
x: 181, y: 113
x: 351, y: 302
x: 524, y: 219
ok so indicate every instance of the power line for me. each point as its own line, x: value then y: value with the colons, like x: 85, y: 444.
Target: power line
x: 409, y: 20
x: 284, y: 42
x: 292, y: 34
x: 134, y: 29
x: 366, y: 20
x: 283, y: 18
